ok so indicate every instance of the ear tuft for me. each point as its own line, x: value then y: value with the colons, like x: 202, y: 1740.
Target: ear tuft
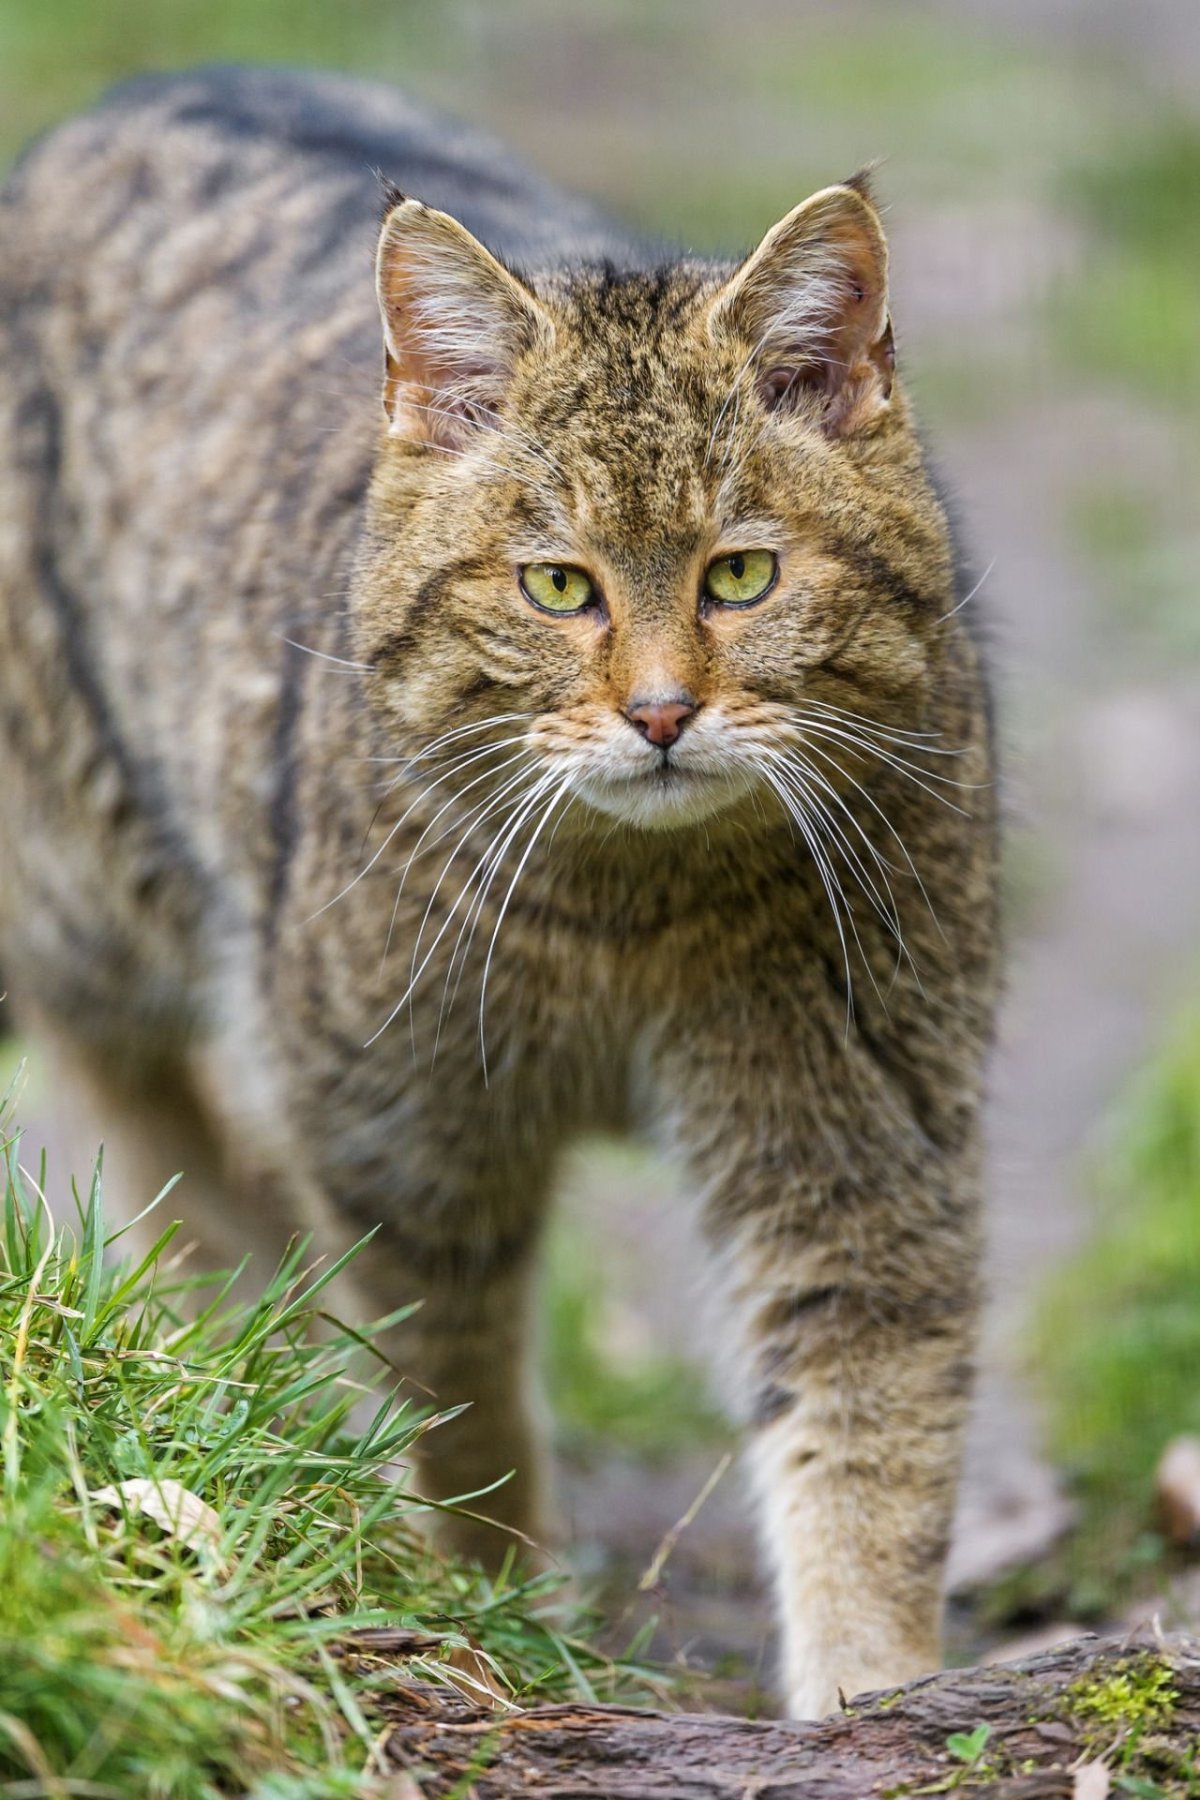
x: 455, y: 325
x: 811, y: 305
x: 390, y: 196
x: 863, y: 183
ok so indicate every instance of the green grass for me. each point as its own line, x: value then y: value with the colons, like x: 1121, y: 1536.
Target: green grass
x: 1118, y: 1341
x: 213, y: 1653
x: 1131, y: 315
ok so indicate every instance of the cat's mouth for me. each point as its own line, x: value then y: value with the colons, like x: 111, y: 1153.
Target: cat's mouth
x: 662, y: 771
x: 662, y: 794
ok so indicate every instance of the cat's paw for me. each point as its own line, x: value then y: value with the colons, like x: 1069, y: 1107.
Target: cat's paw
x: 819, y: 1694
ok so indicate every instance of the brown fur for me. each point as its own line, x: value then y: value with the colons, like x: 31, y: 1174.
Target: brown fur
x: 201, y: 850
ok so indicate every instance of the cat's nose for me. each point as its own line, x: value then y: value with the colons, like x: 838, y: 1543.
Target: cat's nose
x: 661, y: 721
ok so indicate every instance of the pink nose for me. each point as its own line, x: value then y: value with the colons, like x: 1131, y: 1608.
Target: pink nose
x: 660, y: 721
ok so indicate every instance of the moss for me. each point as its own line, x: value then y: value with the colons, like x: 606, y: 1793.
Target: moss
x: 1134, y: 1693
x: 1123, y: 1713
x: 886, y: 1702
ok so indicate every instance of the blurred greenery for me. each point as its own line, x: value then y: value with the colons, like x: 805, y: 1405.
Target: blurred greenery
x: 1118, y: 1341
x: 1143, y: 561
x: 706, y: 122
x: 611, y: 1387
x: 688, y: 78
x: 56, y: 55
x: 1135, y: 315
x: 1131, y: 321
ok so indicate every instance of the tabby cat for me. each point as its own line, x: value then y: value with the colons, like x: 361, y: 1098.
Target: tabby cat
x: 589, y: 740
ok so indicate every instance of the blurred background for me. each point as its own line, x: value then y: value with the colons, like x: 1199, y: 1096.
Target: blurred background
x: 1040, y: 166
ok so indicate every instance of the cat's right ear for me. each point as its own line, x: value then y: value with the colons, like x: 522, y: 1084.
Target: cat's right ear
x: 811, y: 307
x: 455, y: 323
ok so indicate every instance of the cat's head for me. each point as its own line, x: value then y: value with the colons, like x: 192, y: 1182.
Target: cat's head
x: 647, y: 530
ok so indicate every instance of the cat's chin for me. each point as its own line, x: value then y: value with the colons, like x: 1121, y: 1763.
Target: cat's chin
x: 666, y: 801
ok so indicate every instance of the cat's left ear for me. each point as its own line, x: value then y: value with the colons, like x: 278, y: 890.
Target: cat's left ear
x: 811, y: 305
x: 455, y: 324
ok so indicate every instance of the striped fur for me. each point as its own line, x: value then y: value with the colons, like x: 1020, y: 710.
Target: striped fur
x: 334, y: 872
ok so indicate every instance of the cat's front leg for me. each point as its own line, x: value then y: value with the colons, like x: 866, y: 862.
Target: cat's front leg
x: 854, y: 1449
x: 851, y: 1260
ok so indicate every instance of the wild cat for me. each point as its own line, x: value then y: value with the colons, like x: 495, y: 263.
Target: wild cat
x: 588, y: 739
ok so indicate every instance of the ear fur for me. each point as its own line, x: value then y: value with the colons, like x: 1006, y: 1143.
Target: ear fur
x: 455, y: 323
x: 812, y: 305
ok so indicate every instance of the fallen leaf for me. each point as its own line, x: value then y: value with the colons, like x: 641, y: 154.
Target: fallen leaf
x: 172, y: 1507
x: 402, y: 1786
x: 1177, y: 1487
x: 1091, y: 1782
x: 393, y: 1640
x: 472, y: 1673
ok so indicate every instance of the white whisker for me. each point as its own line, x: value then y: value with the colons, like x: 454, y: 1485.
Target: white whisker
x: 449, y: 737
x: 825, y: 873
x: 896, y: 734
x: 340, y: 662
x: 461, y: 952
x: 823, y: 819
x: 827, y: 757
x: 455, y: 764
x: 807, y: 780
x: 490, y: 806
x: 502, y: 843
x: 477, y: 812
x: 860, y: 746
x: 967, y: 598
x: 888, y: 911
x: 418, y: 971
x: 562, y: 788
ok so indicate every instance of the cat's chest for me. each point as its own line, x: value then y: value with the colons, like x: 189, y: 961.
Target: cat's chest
x: 573, y: 960
x: 642, y: 952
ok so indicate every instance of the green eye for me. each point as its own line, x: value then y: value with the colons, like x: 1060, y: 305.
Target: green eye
x: 556, y: 588
x: 741, y: 579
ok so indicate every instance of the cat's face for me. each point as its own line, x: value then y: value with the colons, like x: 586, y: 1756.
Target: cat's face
x: 648, y: 537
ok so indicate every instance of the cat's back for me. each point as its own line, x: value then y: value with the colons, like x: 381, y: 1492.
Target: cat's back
x: 164, y: 262
x: 259, y: 185
x: 189, y: 375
